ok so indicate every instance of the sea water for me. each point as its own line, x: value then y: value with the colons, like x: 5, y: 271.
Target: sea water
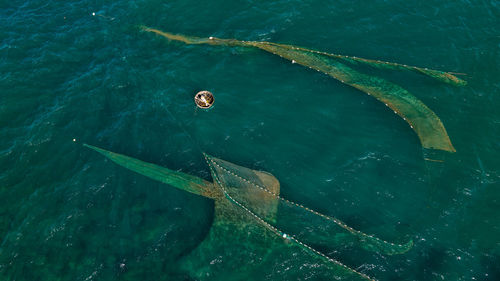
x: 84, y: 71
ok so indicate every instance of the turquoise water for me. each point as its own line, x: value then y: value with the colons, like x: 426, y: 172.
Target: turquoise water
x: 68, y: 214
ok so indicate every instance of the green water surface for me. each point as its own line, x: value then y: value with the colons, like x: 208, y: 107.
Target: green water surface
x: 68, y: 214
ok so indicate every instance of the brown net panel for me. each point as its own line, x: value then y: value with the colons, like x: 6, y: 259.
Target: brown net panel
x: 421, y: 118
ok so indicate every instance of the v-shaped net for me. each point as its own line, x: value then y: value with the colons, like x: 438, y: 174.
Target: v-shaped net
x: 295, y: 223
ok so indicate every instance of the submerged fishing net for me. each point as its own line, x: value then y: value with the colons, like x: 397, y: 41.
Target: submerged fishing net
x: 257, y: 232
x: 257, y: 195
x: 421, y: 119
x: 177, y: 179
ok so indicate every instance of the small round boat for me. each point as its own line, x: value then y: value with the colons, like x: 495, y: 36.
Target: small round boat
x: 204, y: 99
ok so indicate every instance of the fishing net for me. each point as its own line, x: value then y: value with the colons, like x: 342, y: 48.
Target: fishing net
x: 256, y: 229
x: 239, y: 245
x: 177, y: 179
x: 422, y: 119
x: 257, y: 195
x: 242, y: 240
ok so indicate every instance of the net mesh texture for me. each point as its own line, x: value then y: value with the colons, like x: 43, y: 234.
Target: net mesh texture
x: 257, y: 194
x: 422, y: 119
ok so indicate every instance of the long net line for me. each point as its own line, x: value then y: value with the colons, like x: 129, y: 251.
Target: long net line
x: 443, y: 76
x: 422, y: 119
x: 277, y: 231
